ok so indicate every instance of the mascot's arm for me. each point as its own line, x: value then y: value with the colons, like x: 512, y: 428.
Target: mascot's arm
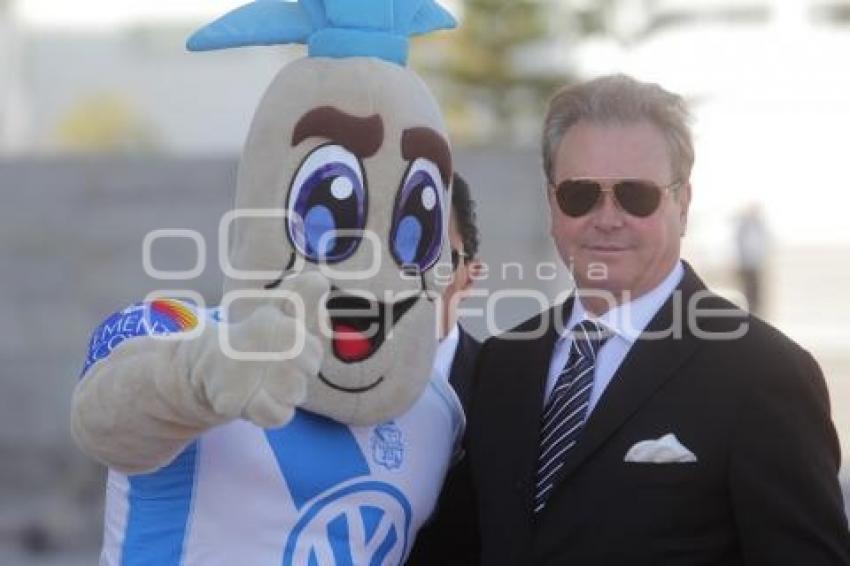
x: 136, y: 409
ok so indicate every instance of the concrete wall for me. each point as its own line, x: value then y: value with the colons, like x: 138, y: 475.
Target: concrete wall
x: 71, y: 233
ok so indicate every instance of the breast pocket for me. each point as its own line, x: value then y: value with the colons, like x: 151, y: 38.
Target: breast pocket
x: 651, y: 475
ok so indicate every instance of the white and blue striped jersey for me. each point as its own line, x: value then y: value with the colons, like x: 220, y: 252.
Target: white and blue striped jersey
x: 314, y: 492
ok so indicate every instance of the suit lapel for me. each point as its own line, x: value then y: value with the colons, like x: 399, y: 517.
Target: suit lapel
x: 463, y: 365
x: 527, y: 388
x: 464, y: 360
x: 647, y: 366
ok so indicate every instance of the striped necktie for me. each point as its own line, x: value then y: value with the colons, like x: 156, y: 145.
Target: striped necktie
x: 566, y: 410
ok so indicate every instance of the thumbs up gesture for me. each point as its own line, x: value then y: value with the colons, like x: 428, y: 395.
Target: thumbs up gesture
x: 257, y: 368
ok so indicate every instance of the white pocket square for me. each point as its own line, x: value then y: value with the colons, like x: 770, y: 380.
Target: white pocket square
x: 664, y: 450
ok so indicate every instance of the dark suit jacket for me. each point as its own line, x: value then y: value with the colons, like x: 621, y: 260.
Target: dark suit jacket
x: 753, y: 409
x: 463, y: 366
x: 429, y: 547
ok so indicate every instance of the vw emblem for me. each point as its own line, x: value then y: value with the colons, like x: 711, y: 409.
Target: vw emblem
x: 362, y: 523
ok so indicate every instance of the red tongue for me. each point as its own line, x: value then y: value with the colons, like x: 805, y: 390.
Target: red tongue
x: 350, y: 345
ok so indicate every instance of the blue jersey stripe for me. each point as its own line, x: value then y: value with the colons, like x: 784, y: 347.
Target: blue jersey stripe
x: 340, y: 544
x: 302, y: 448
x: 160, y: 503
x: 385, y: 548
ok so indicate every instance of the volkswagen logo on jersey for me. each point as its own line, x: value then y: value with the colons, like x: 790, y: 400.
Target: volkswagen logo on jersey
x: 362, y: 523
x: 344, y: 518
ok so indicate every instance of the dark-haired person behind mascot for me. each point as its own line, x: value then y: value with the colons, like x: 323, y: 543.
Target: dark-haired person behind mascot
x: 456, y: 356
x: 458, y: 349
x: 644, y: 420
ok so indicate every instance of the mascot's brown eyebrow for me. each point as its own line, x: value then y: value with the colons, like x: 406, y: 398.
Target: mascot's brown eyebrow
x: 361, y: 136
x: 427, y: 143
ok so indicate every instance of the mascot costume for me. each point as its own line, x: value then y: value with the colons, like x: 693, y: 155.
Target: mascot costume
x: 299, y: 422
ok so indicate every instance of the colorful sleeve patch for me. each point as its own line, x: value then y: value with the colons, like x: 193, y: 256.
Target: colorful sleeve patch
x: 157, y: 318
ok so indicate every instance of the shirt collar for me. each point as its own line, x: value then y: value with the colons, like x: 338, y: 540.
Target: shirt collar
x: 628, y: 320
x: 452, y: 337
x: 446, y: 352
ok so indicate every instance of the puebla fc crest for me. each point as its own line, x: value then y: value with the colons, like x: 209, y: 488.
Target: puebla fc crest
x: 388, y: 446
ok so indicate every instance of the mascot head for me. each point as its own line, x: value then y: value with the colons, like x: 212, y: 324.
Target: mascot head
x: 346, y: 171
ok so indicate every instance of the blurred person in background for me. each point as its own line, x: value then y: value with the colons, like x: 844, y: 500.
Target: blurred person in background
x: 752, y: 243
x: 613, y: 428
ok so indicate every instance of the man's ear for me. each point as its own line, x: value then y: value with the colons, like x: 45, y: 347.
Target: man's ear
x: 553, y: 207
x: 684, y: 198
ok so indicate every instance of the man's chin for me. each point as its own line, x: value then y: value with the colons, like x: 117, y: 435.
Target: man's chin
x: 600, y: 272
x: 602, y: 286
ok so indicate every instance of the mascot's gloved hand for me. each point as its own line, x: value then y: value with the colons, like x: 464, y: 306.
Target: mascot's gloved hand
x: 264, y: 392
x: 139, y: 407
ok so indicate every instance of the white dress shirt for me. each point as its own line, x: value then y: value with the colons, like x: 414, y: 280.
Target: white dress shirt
x: 627, y: 321
x: 446, y: 349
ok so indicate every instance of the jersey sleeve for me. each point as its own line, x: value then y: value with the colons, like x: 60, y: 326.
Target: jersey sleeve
x: 161, y: 317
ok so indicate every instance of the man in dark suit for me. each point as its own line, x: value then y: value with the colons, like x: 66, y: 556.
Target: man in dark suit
x: 644, y: 420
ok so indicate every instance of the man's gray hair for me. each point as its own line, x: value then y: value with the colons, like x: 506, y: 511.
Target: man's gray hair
x: 620, y: 99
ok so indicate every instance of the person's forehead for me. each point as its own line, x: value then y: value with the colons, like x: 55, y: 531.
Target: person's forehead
x: 632, y: 149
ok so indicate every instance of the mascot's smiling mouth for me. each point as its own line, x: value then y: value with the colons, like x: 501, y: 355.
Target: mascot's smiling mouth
x: 360, y: 325
x: 359, y: 328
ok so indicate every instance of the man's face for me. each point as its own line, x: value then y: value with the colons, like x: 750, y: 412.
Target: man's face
x: 609, y: 249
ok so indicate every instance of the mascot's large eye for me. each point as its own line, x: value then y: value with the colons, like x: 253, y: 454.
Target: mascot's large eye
x: 416, y: 236
x: 327, y: 202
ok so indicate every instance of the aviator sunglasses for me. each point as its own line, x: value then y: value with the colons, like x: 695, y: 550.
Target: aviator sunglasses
x: 638, y: 197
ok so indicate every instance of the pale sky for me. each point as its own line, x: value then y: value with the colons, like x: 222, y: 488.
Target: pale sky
x: 112, y: 13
